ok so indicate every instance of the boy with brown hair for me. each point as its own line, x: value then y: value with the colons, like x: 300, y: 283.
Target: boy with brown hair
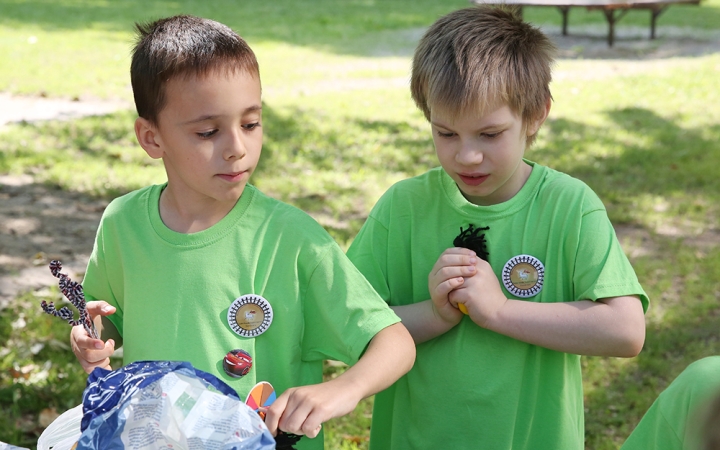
x: 504, y: 271
x: 207, y: 269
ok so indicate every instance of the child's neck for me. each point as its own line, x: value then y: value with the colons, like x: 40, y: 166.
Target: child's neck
x: 191, y: 217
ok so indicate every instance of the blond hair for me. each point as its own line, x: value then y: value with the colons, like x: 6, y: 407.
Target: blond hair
x: 481, y: 57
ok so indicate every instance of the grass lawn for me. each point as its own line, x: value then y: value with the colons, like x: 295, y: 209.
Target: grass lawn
x: 340, y: 128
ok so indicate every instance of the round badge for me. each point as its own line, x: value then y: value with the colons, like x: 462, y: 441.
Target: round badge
x: 237, y: 363
x: 250, y: 315
x: 523, y: 276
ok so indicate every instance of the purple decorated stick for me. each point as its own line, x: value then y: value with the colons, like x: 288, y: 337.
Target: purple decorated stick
x: 73, y: 291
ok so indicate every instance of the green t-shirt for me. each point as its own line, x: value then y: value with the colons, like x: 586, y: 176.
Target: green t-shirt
x: 173, y: 291
x: 472, y: 388
x: 672, y: 421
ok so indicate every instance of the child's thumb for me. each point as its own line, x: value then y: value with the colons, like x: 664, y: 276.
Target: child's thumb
x: 99, y: 308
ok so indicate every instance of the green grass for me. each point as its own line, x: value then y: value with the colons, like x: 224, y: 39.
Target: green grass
x: 36, y: 374
x: 340, y: 128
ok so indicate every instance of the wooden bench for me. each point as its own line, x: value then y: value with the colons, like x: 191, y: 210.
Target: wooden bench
x: 614, y: 10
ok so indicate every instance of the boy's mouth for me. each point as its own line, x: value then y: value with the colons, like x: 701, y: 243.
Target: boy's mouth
x: 473, y: 179
x: 233, y: 177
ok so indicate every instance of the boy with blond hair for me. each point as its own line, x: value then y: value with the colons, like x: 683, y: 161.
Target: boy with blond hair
x: 207, y: 269
x: 504, y: 271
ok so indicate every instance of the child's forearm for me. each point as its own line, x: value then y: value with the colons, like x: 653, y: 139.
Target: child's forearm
x: 390, y: 355
x: 422, y: 321
x: 607, y: 327
x: 301, y: 410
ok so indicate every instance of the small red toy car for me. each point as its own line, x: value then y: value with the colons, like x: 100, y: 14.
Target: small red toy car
x: 237, y: 363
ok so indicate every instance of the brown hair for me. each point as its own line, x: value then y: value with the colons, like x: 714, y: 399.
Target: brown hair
x: 184, y: 46
x: 480, y: 57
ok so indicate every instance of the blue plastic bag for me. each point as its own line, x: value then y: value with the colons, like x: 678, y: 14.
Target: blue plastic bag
x: 167, y: 404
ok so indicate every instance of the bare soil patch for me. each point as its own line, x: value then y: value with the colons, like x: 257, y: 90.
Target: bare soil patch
x: 38, y: 224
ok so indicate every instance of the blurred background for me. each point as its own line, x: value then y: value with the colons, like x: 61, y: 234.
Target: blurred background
x: 638, y: 121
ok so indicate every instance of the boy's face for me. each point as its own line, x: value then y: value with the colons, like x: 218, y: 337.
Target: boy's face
x: 209, y: 136
x: 483, y: 154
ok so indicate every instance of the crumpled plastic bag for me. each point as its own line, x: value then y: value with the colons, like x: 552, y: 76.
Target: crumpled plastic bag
x: 63, y: 433
x: 6, y: 446
x: 166, y: 404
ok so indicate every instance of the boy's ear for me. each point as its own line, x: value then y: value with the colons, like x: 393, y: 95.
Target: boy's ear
x: 147, y: 136
x: 534, y: 126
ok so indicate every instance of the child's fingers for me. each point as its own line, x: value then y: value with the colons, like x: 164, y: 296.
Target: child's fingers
x: 80, y: 339
x: 455, y: 256
x: 459, y: 251
x: 89, y: 367
x: 90, y: 359
x: 94, y: 356
x: 90, y: 352
x: 310, y: 429
x: 447, y: 286
x: 454, y: 259
x: 301, y: 413
x: 275, y: 412
x: 295, y: 416
x: 446, y: 273
x: 301, y: 421
x: 99, y: 308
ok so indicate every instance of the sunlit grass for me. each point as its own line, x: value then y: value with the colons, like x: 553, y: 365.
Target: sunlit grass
x: 36, y: 374
x: 682, y: 325
x: 74, y: 48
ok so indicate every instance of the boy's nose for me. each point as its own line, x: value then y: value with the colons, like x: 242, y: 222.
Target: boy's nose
x: 235, y: 148
x: 469, y: 154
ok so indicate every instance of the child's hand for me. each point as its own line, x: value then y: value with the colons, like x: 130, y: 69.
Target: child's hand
x: 302, y: 410
x: 450, y: 272
x: 481, y: 294
x: 91, y: 352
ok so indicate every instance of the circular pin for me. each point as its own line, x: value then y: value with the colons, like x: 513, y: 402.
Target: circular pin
x: 250, y: 315
x: 237, y: 363
x: 523, y: 276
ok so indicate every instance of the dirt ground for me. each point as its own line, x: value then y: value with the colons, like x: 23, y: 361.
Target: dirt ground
x: 39, y: 223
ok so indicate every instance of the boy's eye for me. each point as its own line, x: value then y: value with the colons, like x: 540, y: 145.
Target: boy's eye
x: 207, y: 134
x: 251, y: 126
x: 491, y: 135
x: 445, y: 134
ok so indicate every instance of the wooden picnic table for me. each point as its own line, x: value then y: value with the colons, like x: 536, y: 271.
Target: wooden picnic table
x: 614, y: 10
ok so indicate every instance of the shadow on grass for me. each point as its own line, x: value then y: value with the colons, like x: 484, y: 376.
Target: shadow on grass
x: 642, y: 154
x: 336, y: 168
x: 683, y: 325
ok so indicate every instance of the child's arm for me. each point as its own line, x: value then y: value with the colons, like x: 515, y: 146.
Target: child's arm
x: 431, y: 318
x: 302, y: 410
x: 607, y: 327
x: 91, y: 352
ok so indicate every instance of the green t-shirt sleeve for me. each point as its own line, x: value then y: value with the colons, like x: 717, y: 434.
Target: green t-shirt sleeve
x: 342, y: 311
x: 97, y: 284
x: 672, y: 421
x: 367, y: 253
x: 602, y: 269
